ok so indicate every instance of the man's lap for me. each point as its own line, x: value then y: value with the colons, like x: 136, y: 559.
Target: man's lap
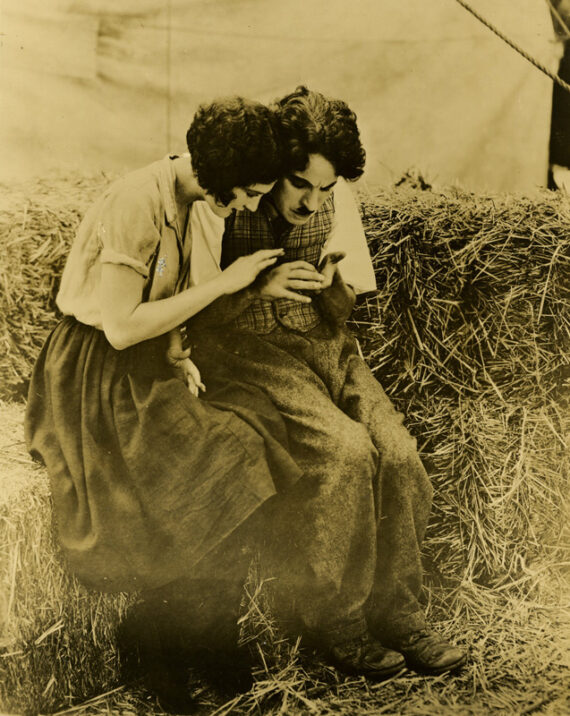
x: 325, y: 392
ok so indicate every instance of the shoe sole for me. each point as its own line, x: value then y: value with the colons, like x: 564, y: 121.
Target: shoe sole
x: 441, y: 669
x: 399, y: 672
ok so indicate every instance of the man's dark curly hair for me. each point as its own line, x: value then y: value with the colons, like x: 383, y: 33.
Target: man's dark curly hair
x: 234, y: 142
x: 314, y: 124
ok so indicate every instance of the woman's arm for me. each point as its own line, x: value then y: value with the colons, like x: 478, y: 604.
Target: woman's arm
x: 126, y: 320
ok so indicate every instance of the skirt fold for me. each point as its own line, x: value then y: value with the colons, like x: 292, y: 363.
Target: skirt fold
x: 146, y: 478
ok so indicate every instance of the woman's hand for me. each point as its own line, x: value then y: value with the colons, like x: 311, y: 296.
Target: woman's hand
x: 284, y: 280
x: 184, y: 369
x: 245, y: 270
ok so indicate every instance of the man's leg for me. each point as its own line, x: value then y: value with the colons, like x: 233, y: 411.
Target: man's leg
x: 393, y: 610
x: 321, y: 538
x: 322, y: 548
x: 405, y: 496
x: 328, y: 516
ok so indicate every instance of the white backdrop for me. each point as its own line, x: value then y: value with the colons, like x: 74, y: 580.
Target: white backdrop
x: 112, y: 84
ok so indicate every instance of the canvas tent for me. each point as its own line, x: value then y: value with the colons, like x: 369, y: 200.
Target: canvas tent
x: 112, y: 84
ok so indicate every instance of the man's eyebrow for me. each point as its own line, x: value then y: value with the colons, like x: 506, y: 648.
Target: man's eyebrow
x: 300, y: 179
x: 254, y: 192
x: 308, y: 183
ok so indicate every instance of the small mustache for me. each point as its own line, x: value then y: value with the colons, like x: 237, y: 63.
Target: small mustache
x: 304, y: 211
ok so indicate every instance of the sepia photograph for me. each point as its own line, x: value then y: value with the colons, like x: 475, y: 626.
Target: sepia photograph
x: 284, y: 357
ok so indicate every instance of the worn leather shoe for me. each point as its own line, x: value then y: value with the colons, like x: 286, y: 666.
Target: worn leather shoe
x: 364, y: 656
x: 427, y: 652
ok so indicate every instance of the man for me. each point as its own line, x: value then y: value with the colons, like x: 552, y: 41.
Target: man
x: 344, y: 541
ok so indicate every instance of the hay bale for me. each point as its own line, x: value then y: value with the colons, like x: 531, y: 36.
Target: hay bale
x: 470, y: 336
x: 38, y: 220
x: 57, y: 639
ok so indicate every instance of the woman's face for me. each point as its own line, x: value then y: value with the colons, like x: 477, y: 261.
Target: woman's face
x: 244, y: 198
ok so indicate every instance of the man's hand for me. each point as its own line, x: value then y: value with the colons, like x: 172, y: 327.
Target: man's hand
x: 245, y: 270
x: 184, y: 369
x: 284, y: 280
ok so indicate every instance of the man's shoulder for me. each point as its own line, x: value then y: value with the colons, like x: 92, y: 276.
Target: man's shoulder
x: 343, y: 194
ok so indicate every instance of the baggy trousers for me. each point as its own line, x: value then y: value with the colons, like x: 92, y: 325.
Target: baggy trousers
x: 344, y: 541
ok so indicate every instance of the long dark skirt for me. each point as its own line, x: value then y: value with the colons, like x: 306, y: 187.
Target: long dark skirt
x: 146, y: 478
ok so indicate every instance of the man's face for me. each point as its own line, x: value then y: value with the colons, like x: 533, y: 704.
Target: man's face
x: 300, y: 194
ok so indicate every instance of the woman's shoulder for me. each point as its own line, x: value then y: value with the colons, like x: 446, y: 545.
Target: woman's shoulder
x: 133, y: 206
x: 144, y: 187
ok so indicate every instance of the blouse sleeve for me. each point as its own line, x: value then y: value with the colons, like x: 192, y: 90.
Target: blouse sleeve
x: 127, y: 232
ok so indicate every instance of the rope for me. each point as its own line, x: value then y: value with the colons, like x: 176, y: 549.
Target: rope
x: 553, y: 76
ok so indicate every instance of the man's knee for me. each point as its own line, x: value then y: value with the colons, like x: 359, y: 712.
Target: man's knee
x: 399, y: 458
x: 337, y: 451
x: 351, y: 448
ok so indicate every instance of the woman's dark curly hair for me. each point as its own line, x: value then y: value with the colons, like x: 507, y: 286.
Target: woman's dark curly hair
x: 234, y: 142
x: 314, y: 124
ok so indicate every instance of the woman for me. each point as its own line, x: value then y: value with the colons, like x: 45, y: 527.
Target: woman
x: 147, y: 479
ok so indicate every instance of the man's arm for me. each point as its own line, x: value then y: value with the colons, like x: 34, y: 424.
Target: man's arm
x: 347, y: 236
x: 337, y: 299
x: 347, y: 242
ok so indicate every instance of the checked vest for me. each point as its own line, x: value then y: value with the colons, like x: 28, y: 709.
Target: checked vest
x: 247, y: 232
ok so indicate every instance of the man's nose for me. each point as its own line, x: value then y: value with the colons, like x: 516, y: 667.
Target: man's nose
x: 311, y: 200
